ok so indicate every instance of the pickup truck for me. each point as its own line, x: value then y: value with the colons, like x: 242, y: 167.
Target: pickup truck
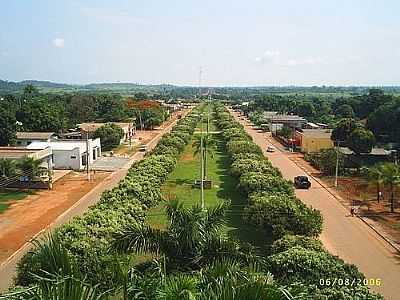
x: 302, y: 182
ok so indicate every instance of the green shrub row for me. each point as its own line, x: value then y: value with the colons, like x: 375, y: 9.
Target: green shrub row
x: 87, y: 238
x: 272, y: 204
x: 296, y: 258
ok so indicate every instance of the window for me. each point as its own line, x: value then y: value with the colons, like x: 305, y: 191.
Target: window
x: 73, y: 157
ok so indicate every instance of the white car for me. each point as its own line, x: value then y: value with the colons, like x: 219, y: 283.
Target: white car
x: 270, y: 149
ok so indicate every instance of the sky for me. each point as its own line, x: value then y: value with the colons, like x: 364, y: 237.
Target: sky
x: 234, y: 43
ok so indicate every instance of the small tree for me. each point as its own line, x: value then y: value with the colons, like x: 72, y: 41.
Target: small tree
x: 110, y: 136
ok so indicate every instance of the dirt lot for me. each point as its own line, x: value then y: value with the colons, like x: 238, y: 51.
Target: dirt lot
x: 26, y: 218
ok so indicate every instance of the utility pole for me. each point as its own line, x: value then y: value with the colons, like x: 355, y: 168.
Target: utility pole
x: 87, y: 156
x: 337, y: 164
x: 202, y: 167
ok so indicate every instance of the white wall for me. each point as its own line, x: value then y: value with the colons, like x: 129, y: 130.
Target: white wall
x: 68, y: 159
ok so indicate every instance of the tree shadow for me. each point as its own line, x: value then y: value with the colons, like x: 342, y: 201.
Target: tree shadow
x: 236, y: 227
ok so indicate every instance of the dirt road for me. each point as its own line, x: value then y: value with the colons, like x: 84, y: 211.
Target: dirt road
x: 345, y: 236
x: 8, y: 267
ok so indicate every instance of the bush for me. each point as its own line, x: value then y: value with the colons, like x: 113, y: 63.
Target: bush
x: 309, y: 266
x: 257, y: 181
x: 280, y: 213
x: 289, y: 241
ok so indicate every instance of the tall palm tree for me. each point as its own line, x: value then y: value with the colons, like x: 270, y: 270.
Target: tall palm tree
x: 391, y: 177
x: 192, y: 239
x: 375, y: 177
x: 209, y: 147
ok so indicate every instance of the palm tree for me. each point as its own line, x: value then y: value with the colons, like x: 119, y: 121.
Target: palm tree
x: 375, y: 177
x: 209, y: 147
x: 30, y: 167
x: 68, y: 288
x: 192, y: 239
x: 391, y: 177
x: 7, y: 167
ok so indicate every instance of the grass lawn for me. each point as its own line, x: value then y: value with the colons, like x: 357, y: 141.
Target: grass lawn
x: 179, y: 186
x: 6, y: 197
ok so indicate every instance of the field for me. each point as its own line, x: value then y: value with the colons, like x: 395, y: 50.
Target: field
x: 8, y: 197
x: 180, y: 186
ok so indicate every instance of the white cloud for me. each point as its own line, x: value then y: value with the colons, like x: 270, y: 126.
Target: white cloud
x: 303, y: 61
x: 59, y: 42
x: 269, y: 55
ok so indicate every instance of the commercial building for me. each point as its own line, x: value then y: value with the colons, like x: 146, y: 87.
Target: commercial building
x: 90, y: 128
x: 26, y: 138
x: 313, y: 140
x: 71, y: 154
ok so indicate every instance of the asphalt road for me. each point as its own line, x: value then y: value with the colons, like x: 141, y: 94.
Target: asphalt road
x: 8, y: 268
x: 345, y: 236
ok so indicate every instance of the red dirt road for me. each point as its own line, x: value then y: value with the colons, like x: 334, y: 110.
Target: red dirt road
x: 347, y: 237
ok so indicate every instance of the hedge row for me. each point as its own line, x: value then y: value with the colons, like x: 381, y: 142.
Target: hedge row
x: 296, y: 258
x: 87, y: 238
x: 272, y: 204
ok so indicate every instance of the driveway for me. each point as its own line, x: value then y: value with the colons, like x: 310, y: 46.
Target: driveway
x: 345, y: 236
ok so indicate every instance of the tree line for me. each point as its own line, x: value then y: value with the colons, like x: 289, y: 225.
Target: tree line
x: 35, y: 111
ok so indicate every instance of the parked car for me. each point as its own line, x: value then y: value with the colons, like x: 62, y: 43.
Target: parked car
x: 302, y: 182
x: 270, y: 149
x: 143, y: 148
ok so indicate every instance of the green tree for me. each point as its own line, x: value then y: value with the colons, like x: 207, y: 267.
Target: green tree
x: 193, y: 237
x: 30, y: 167
x: 345, y: 111
x: 8, y: 126
x: 343, y: 129
x: 39, y: 114
x: 110, y: 136
x: 30, y: 90
x: 391, y: 177
x: 7, y: 167
x: 361, y: 140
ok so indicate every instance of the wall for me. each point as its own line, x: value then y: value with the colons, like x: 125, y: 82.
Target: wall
x: 313, y: 144
x: 62, y: 159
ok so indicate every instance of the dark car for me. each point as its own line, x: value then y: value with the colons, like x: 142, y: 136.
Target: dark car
x: 302, y: 182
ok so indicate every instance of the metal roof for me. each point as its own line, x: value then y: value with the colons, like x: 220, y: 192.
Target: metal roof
x: 34, y: 135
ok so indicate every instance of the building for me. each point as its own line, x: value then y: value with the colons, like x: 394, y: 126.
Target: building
x: 15, y: 153
x: 25, y: 138
x: 90, y: 128
x: 45, y: 156
x: 71, y: 154
x: 313, y: 140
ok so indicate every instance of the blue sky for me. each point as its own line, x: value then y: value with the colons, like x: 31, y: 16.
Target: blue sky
x: 254, y: 42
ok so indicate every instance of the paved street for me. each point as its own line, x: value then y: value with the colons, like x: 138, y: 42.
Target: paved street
x: 342, y: 235
x: 8, y: 268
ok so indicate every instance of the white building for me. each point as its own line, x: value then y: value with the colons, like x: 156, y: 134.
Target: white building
x: 70, y: 154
